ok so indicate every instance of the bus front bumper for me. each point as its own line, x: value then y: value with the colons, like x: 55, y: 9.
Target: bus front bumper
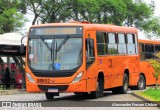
x: 70, y: 87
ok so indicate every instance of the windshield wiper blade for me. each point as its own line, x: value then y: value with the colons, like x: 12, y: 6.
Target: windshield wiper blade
x: 56, y: 51
x: 51, y: 49
x: 62, y: 43
x: 45, y: 43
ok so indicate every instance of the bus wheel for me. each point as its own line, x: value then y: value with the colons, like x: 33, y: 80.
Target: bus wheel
x: 49, y: 95
x: 141, y: 83
x: 123, y: 89
x: 99, y: 89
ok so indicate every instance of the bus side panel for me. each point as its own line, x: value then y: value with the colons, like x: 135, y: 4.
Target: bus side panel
x: 123, y: 63
x: 116, y: 72
x: 148, y: 71
x: 105, y: 67
x: 133, y: 66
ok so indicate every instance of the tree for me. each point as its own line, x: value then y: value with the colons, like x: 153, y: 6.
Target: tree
x: 156, y: 66
x: 82, y: 10
x: 137, y: 12
x: 10, y: 18
x: 152, y: 27
x: 112, y: 11
x: 119, y: 12
x: 55, y: 11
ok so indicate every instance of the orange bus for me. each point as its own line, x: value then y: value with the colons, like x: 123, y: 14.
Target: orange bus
x: 82, y: 58
x: 147, y: 49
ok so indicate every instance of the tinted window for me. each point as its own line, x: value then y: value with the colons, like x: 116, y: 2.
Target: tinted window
x: 100, y: 37
x: 157, y: 47
x: 149, y: 48
x: 141, y: 50
x: 101, y: 43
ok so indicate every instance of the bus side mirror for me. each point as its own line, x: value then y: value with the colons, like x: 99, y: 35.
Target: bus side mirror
x: 90, y: 50
x: 22, y: 45
x: 22, y: 48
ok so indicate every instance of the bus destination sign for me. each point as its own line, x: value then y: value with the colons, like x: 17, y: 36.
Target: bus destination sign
x: 56, y: 30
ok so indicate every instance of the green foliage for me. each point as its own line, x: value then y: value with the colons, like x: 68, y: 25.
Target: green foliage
x: 10, y: 18
x: 156, y: 66
x: 151, y: 94
x: 119, y: 12
x: 137, y: 12
x: 112, y: 11
x: 152, y: 26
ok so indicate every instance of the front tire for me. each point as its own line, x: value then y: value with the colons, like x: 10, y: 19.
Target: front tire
x: 99, y: 89
x: 49, y: 95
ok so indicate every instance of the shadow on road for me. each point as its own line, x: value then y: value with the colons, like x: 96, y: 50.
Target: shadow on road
x: 78, y: 97
x: 72, y: 100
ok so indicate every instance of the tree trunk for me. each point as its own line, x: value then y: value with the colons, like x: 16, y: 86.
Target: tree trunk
x: 156, y: 84
x: 34, y: 20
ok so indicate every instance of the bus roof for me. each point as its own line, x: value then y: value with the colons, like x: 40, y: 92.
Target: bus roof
x: 97, y: 27
x: 148, y: 41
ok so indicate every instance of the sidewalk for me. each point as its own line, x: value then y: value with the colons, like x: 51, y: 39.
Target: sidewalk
x: 12, y: 91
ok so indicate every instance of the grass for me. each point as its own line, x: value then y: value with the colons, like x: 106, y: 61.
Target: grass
x: 151, y: 94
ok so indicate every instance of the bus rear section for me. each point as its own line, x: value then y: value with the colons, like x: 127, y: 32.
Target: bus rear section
x: 147, y: 49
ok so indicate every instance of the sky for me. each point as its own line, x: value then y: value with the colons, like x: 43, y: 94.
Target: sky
x: 141, y: 34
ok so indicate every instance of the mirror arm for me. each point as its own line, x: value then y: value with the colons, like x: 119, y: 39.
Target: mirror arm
x: 23, y: 38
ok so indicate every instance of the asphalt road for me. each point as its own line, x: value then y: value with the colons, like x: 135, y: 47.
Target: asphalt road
x: 70, y: 101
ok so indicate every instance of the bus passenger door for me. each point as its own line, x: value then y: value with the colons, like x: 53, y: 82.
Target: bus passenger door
x: 90, y: 63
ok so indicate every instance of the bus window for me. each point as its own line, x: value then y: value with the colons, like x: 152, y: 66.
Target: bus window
x: 157, y: 48
x: 141, y: 50
x: 121, y: 44
x: 101, y: 43
x: 112, y: 45
x: 131, y: 44
x: 149, y: 51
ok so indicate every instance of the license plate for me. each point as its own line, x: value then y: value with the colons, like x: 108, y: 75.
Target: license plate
x: 52, y: 90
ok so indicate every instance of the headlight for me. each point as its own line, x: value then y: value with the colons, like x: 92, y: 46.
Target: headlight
x: 78, y: 77
x: 30, y: 78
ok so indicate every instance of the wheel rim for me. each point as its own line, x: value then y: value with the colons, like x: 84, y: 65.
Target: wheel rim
x: 141, y: 83
x: 126, y: 84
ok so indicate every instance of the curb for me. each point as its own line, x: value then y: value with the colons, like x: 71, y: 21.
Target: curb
x: 14, y: 91
x: 140, y: 97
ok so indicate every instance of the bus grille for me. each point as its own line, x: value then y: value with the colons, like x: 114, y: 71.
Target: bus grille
x: 59, y: 87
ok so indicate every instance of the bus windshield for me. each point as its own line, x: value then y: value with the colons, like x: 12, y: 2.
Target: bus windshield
x: 54, y: 53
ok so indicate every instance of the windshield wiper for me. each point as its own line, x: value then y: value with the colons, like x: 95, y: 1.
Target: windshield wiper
x: 56, y: 51
x: 62, y: 43
x: 52, y: 49
x: 45, y: 43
